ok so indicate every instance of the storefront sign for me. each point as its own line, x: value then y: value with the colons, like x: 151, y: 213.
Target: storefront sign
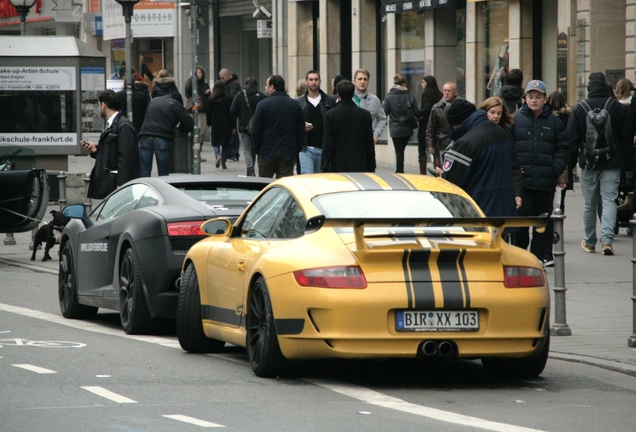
x: 150, y: 19
x: 399, y: 6
x: 18, y: 78
x: 264, y: 29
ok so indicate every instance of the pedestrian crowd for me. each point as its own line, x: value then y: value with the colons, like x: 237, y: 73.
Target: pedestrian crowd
x: 515, y: 153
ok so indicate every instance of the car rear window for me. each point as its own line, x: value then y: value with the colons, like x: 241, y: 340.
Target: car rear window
x: 217, y: 195
x: 394, y: 204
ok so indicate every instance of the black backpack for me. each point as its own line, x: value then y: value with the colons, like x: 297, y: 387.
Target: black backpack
x: 599, y: 136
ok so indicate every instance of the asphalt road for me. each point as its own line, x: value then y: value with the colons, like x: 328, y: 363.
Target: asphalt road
x: 69, y: 375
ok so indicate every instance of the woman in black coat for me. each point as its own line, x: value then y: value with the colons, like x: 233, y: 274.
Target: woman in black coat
x: 219, y: 120
x: 430, y: 96
x: 401, y: 110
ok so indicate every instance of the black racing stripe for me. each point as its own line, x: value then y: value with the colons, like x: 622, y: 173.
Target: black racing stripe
x: 290, y: 326
x: 363, y: 181
x: 221, y: 315
x: 407, y: 278
x: 421, y: 280
x: 447, y: 262
x: 462, y: 269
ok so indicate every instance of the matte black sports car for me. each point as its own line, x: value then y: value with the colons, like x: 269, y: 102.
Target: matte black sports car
x: 127, y: 254
x: 24, y: 190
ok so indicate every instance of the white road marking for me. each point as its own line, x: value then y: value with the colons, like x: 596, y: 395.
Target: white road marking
x: 192, y: 420
x: 36, y: 369
x: 360, y: 393
x: 101, y: 391
x: 88, y: 326
x: 382, y: 400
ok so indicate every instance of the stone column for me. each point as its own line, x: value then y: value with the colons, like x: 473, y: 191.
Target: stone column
x: 363, y: 38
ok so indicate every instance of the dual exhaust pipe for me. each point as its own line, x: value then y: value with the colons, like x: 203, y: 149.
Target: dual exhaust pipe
x: 443, y: 348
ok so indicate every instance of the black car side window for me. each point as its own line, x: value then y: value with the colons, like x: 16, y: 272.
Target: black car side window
x: 122, y: 201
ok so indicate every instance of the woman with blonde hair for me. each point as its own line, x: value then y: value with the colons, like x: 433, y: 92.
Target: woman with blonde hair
x: 401, y: 110
x: 496, y: 111
x: 624, y: 89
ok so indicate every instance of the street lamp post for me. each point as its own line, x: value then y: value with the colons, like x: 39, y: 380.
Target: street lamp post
x: 127, y: 7
x: 23, y: 7
x: 196, y: 132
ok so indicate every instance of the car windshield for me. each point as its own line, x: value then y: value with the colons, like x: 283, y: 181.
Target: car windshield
x: 394, y: 205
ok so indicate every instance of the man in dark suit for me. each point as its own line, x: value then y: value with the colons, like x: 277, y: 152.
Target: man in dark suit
x: 347, y: 142
x: 278, y: 130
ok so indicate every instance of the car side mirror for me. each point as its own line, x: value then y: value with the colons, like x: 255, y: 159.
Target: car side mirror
x: 220, y: 226
x: 78, y: 211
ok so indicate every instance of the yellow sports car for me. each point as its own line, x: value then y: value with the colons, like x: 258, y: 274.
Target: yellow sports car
x: 363, y: 265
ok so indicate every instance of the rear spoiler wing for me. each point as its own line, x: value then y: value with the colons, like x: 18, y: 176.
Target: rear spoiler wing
x: 498, y: 223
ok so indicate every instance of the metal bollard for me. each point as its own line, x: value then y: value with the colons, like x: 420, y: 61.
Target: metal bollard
x: 631, y: 342
x: 88, y: 203
x: 560, y: 327
x: 61, y: 179
x: 9, y: 240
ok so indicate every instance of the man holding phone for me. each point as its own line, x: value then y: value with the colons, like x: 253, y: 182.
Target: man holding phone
x: 117, y: 153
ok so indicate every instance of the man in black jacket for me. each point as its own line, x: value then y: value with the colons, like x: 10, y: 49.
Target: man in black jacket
x: 542, y: 146
x: 278, y: 130
x: 604, y: 177
x: 347, y: 144
x: 117, y: 154
x: 162, y: 117
x: 315, y: 103
x: 140, y: 101
x: 243, y: 108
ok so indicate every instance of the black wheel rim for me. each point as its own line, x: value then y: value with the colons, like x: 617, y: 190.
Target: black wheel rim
x: 66, y: 281
x: 127, y: 288
x: 257, y: 320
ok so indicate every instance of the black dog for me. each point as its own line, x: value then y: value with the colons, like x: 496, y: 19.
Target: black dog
x: 46, y: 234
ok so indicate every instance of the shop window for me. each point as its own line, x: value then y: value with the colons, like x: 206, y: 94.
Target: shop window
x: 495, y: 47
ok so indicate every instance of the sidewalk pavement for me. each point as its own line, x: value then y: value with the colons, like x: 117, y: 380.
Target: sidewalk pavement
x: 599, y: 307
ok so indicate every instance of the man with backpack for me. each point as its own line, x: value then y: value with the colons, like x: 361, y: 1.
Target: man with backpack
x: 598, y: 129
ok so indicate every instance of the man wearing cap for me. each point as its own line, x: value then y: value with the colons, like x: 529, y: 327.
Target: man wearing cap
x: 542, y: 146
x: 604, y: 177
x: 140, y: 100
x: 480, y: 159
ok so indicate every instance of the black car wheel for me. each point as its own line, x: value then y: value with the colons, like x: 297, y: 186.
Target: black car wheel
x: 529, y: 367
x: 133, y: 311
x: 190, y: 332
x: 67, y: 288
x: 262, y: 341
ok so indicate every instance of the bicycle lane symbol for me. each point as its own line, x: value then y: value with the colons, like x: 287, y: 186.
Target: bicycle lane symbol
x: 40, y: 344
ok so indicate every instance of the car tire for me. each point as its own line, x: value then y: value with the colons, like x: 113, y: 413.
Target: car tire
x: 529, y: 367
x: 190, y: 332
x: 262, y: 345
x: 67, y: 288
x: 133, y: 311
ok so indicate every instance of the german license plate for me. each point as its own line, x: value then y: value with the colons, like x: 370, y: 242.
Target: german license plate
x: 436, y: 321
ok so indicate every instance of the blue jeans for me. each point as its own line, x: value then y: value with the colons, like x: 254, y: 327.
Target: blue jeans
x: 161, y: 148
x: 310, y: 160
x: 248, y: 151
x: 606, y: 181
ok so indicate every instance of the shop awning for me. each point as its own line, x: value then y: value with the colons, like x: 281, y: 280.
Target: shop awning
x: 399, y: 6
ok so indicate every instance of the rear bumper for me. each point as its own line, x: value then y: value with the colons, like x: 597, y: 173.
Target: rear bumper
x: 360, y: 323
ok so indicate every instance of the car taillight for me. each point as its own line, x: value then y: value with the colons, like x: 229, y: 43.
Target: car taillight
x: 331, y: 277
x: 523, y: 277
x: 180, y: 229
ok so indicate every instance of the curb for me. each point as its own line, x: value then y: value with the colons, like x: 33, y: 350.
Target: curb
x: 611, y: 365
